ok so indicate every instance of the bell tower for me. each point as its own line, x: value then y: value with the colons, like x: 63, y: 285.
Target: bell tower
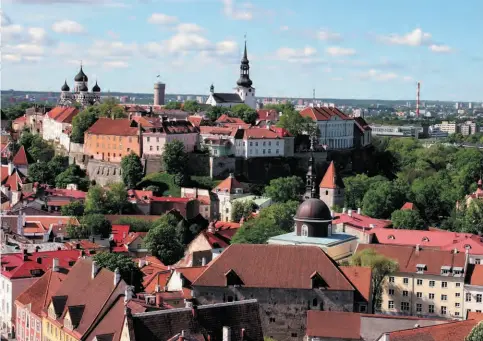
x: 244, y: 88
x: 310, y: 190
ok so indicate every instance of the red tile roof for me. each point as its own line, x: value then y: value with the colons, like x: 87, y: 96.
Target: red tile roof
x: 225, y: 131
x: 69, y: 193
x: 21, y: 119
x: 107, y: 126
x: 360, y: 221
x: 13, y: 181
x: 119, y: 233
x: 39, y: 293
x: 14, y: 266
x: 260, y: 133
x: 171, y: 199
x: 63, y: 114
x: 111, y: 324
x: 158, y: 278
x: 330, y: 179
x: 408, y: 206
x: 20, y: 159
x: 148, y: 122
x: 360, y: 277
x: 475, y: 274
x: 323, y: 113
x: 408, y: 257
x: 267, y: 115
x: 452, y: 331
x: 138, y: 196
x: 227, y: 119
x: 361, y: 124
x: 274, y: 266
x: 229, y: 185
x: 333, y: 324
x: 195, y: 120
x: 191, y: 273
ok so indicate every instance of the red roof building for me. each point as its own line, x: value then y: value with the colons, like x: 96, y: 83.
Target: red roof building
x: 229, y: 186
x: 195, y: 120
x: 20, y: 159
x: 409, y: 206
x: 19, y: 123
x: 361, y: 279
x: 268, y: 115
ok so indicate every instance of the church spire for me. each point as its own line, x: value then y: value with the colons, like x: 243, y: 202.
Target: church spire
x: 244, y: 79
x: 310, y: 189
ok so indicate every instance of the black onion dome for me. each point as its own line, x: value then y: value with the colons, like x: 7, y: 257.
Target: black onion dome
x: 81, y: 76
x: 83, y: 87
x: 244, y: 81
x: 65, y: 87
x: 96, y: 88
x: 313, y: 209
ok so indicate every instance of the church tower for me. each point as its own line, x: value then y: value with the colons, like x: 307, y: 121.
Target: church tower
x: 332, y: 188
x: 244, y: 88
x: 310, y: 191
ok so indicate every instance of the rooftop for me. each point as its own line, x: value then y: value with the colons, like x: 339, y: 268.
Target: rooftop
x: 118, y: 127
x: 258, y: 200
x: 323, y: 113
x: 334, y: 239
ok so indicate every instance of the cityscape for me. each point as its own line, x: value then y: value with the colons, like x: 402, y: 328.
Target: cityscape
x: 220, y: 170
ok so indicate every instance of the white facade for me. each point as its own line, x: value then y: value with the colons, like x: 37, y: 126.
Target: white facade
x: 262, y: 148
x: 336, y: 133
x: 247, y: 95
x: 448, y: 127
x: 225, y: 203
x: 52, y: 130
x: 153, y: 143
x: 473, y: 299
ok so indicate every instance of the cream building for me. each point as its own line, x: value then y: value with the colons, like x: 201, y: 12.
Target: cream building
x: 228, y: 190
x: 429, y: 283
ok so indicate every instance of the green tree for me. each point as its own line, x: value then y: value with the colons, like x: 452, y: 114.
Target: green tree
x: 175, y: 158
x: 213, y: 113
x: 186, y: 232
x: 96, y: 224
x: 163, y: 242
x: 356, y: 187
x: 173, y: 105
x: 83, y: 121
x: 285, y: 189
x: 381, y: 267
x: 383, y: 198
x: 256, y: 231
x: 77, y: 231
x: 476, y: 333
x: 155, y: 189
x: 41, y: 173
x: 244, y: 112
x: 241, y: 209
x: 110, y: 108
x: 472, y: 221
x: 136, y: 224
x: 191, y: 106
x: 407, y: 219
x: 281, y: 214
x: 40, y: 150
x: 72, y: 175
x: 132, y: 170
x: 75, y: 208
x: 130, y: 272
x: 96, y: 200
x: 294, y: 123
x: 117, y: 198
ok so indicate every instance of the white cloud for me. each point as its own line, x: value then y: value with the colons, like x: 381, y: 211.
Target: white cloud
x: 414, y: 38
x: 116, y: 64
x: 183, y: 42
x: 26, y: 49
x: 12, y: 57
x: 337, y: 79
x: 440, y: 48
x: 377, y: 75
x: 67, y: 27
x: 112, y: 49
x: 327, y: 35
x: 283, y: 28
x: 408, y: 78
x: 243, y: 12
x: 305, y: 55
x: 113, y: 34
x: 37, y: 34
x: 337, y: 51
x: 226, y: 47
x: 162, y: 19
x: 189, y: 28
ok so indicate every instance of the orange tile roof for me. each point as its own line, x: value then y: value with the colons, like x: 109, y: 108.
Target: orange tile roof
x: 159, y: 278
x: 227, y: 119
x: 475, y: 274
x: 107, y: 126
x: 191, y: 273
x: 20, y: 159
x: 331, y: 179
x: 452, y: 331
x: 408, y: 206
x: 267, y: 266
x: 226, y: 131
x: 360, y: 277
x: 323, y: 113
x: 21, y: 119
x: 228, y: 185
x: 195, y: 120
x: 260, y: 133
x: 333, y: 324
x: 267, y: 114
x: 360, y: 221
x: 63, y: 114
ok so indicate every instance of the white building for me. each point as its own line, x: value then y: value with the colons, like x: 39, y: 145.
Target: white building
x: 228, y: 190
x: 265, y: 142
x: 244, y: 92
x: 448, y: 127
x: 57, y: 122
x: 336, y: 128
x: 473, y: 290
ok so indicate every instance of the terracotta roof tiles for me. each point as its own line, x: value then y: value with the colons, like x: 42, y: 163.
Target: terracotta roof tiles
x: 107, y: 126
x: 331, y: 178
x: 323, y: 113
x: 333, y: 324
x: 452, y: 331
x: 474, y: 274
x: 229, y: 185
x: 20, y: 159
x: 361, y: 278
x: 63, y: 114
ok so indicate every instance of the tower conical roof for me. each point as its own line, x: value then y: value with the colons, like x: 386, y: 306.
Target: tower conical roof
x: 331, y: 178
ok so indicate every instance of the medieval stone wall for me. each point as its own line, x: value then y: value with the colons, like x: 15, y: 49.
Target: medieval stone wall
x: 103, y: 172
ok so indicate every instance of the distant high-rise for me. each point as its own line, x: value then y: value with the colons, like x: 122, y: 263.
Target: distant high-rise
x: 159, y: 90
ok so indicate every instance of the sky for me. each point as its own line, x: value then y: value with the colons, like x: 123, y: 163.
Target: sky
x: 375, y: 49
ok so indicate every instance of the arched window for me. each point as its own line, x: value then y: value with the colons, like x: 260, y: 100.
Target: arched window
x: 314, y: 302
x: 305, y: 230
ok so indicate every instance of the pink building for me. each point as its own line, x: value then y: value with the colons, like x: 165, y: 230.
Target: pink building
x: 156, y: 137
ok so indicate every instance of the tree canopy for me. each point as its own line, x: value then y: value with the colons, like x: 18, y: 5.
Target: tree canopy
x: 191, y: 106
x: 132, y: 170
x: 46, y: 172
x: 407, y: 219
x: 75, y: 208
x: 81, y: 122
x: 285, y: 189
x: 476, y: 333
x: 175, y: 158
x: 244, y: 112
x: 214, y: 112
x: 129, y: 271
x: 383, y: 198
x: 163, y: 241
x: 173, y: 105
x: 72, y: 175
x: 36, y: 147
x: 241, y: 209
x: 295, y: 123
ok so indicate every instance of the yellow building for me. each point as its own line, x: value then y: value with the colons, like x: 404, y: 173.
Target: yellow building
x: 429, y: 282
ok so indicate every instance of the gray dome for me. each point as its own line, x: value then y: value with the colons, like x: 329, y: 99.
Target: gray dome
x: 81, y: 76
x: 313, y: 209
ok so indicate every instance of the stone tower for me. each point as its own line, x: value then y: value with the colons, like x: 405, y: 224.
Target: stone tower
x: 159, y: 91
x: 332, y: 188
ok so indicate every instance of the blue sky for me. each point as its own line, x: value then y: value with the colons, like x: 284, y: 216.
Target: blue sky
x: 342, y: 48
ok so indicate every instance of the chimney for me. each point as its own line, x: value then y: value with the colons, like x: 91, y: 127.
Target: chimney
x: 10, y: 168
x: 55, y: 264
x: 141, y: 263
x: 157, y: 288
x: 349, y: 213
x: 211, y: 227
x: 418, y: 248
x: 25, y: 255
x: 359, y: 210
x: 159, y: 300
x: 128, y: 293
x: 203, y: 261
x: 183, y: 335
x: 194, y: 311
x: 243, y: 334
x: 226, y: 333
x: 188, y: 304
x: 117, y: 276
x: 39, y: 260
x: 344, y: 210
x: 95, y: 269
x: 77, y: 246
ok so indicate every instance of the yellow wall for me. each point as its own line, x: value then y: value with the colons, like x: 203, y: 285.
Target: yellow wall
x: 51, y: 332
x: 453, y: 292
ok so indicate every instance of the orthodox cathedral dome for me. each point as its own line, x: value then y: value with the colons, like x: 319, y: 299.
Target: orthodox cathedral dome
x: 81, y: 76
x: 96, y: 88
x: 65, y: 87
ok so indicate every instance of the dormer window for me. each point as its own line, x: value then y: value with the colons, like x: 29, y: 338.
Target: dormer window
x: 445, y: 270
x: 232, y: 278
x: 317, y: 281
x: 468, y: 247
x: 425, y: 239
x: 457, y: 271
x: 391, y: 237
x: 420, y: 268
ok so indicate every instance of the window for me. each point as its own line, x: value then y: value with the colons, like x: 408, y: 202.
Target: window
x: 256, y: 144
x: 405, y: 293
x: 157, y: 148
x: 390, y: 305
x: 477, y: 261
x: 419, y: 307
x: 148, y: 138
x: 405, y: 280
x: 431, y: 296
x: 362, y: 308
x: 457, y: 305
x: 391, y: 279
x: 419, y: 282
x: 264, y: 143
x: 444, y: 284
x: 431, y: 309
x: 269, y: 151
x: 251, y: 143
x: 391, y: 292
x: 150, y: 148
x: 457, y: 313
x: 419, y: 295
x: 277, y: 151
x: 458, y: 285
x: 305, y: 230
x: 431, y: 283
x: 444, y: 297
x: 468, y: 297
x: 294, y: 334
x: 443, y: 310
x: 404, y: 306
x: 478, y: 298
x: 457, y: 294
x: 128, y: 150
x: 314, y: 302
x: 272, y: 319
x: 269, y: 143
